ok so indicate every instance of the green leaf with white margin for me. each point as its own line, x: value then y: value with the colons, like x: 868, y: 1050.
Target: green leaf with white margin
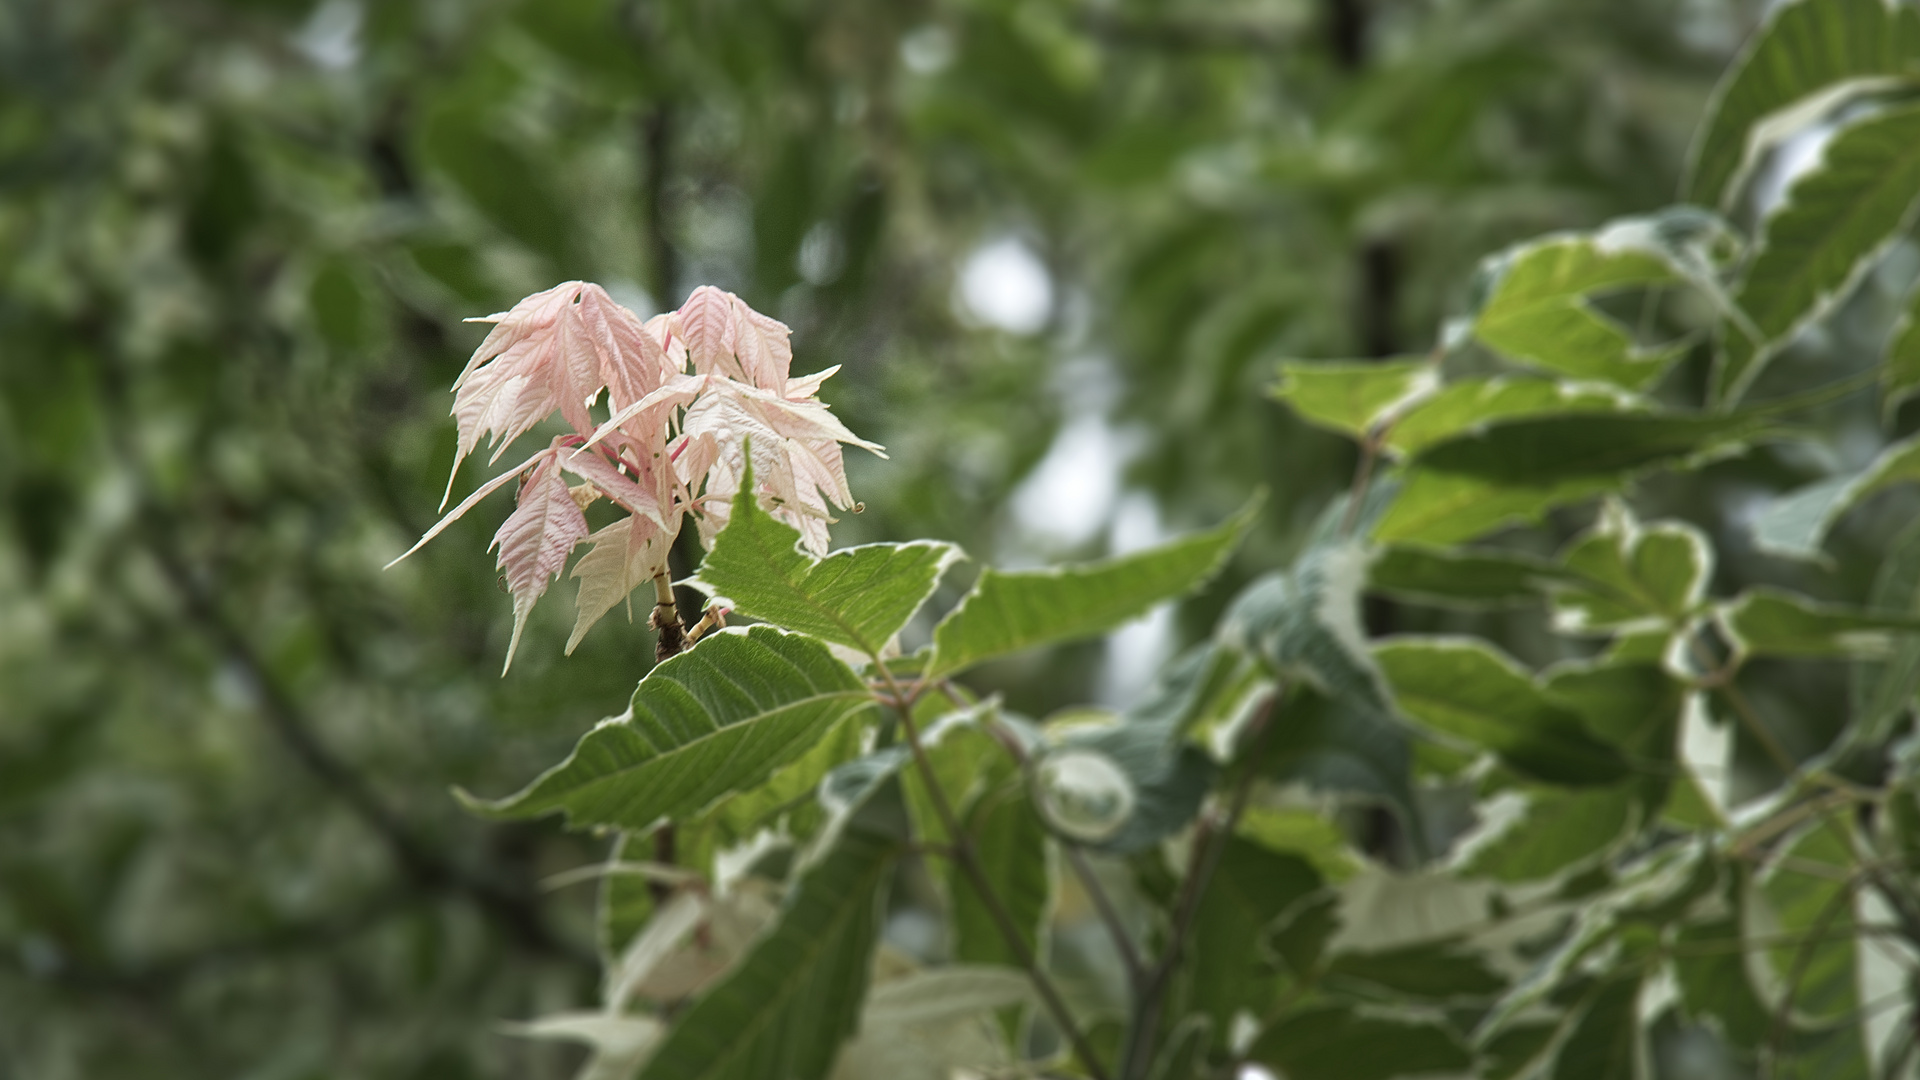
x: 1336, y: 1041
x: 1340, y: 746
x: 1307, y: 834
x: 1353, y: 397
x: 1540, y: 312
x: 1627, y: 576
x: 1810, y: 890
x: 1515, y: 472
x: 1224, y: 972
x: 1765, y: 621
x: 1796, y: 524
x: 934, y: 1024
x: 1471, y: 404
x: 1838, y: 218
x: 1010, y: 847
x: 711, y: 721
x: 1606, y: 1042
x: 1882, y: 691
x: 797, y: 994
x: 1544, y: 832
x: 1464, y: 688
x: 1304, y: 622
x: 859, y: 597
x: 1011, y: 611
x: 1470, y: 578
x: 1805, y: 49
x: 1635, y: 706
x: 1900, y: 373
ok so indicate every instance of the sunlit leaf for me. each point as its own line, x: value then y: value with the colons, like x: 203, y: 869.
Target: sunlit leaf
x: 1352, y: 397
x: 1540, y: 312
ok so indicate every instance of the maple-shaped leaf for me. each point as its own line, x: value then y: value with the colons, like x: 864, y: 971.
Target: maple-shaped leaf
x: 554, y: 350
x: 624, y: 556
x: 536, y: 538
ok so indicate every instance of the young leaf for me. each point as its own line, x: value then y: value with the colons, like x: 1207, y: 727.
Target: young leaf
x: 1468, y: 405
x: 535, y: 540
x: 1010, y: 611
x: 1805, y: 48
x: 1837, y: 220
x: 793, y: 999
x: 1765, y: 621
x: 713, y: 720
x: 1516, y: 471
x: 858, y: 597
x: 625, y: 555
x: 1796, y: 524
x: 1353, y: 397
x: 1462, y: 687
x: 1540, y: 314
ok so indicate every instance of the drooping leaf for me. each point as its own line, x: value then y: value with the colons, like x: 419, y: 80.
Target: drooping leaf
x: 859, y: 597
x: 1467, y: 405
x: 1837, y: 220
x: 1883, y: 690
x: 1251, y: 888
x: 1463, y: 688
x: 713, y: 720
x: 625, y: 555
x: 1353, y: 397
x: 1765, y: 621
x: 1461, y: 577
x: 1796, y: 524
x: 1806, y: 48
x: 1337, y: 1042
x: 1514, y: 472
x: 1010, y: 611
x: 535, y: 540
x: 796, y: 996
x: 1540, y: 311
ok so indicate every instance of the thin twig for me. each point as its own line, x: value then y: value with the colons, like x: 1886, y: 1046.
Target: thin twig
x: 969, y: 863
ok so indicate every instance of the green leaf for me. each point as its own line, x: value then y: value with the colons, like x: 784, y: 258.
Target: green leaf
x: 1429, y: 971
x: 1710, y: 968
x: 1010, y: 846
x: 1804, y: 48
x: 1341, y: 746
x: 1540, y: 313
x: 1353, y: 397
x: 1605, y: 1041
x: 1544, y: 832
x: 1900, y: 374
x: 858, y: 597
x: 1463, y: 687
x: 1765, y: 621
x: 1304, y: 623
x: 1515, y: 472
x: 1810, y: 889
x: 1251, y: 888
x: 626, y: 900
x: 793, y: 999
x: 1837, y: 220
x: 1336, y: 1042
x: 711, y: 721
x: 789, y: 792
x: 1636, y: 706
x: 1883, y: 691
x: 1461, y: 577
x: 1796, y: 524
x: 1303, y: 833
x: 1628, y: 576
x: 1467, y: 405
x: 1011, y: 611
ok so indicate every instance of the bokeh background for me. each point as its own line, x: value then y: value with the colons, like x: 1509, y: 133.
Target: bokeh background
x: 1056, y: 244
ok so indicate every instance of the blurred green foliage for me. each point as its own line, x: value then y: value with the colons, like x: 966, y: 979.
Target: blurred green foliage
x: 236, y: 241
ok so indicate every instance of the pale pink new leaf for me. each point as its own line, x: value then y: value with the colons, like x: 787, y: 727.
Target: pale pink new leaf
x: 472, y: 500
x: 706, y: 323
x: 625, y: 555
x: 535, y: 540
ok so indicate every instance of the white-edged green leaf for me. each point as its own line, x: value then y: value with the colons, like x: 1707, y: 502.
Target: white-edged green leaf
x: 708, y: 722
x: 1810, y: 892
x: 1540, y: 311
x: 859, y: 597
x: 1765, y: 621
x: 1464, y: 688
x: 1342, y: 747
x: 1304, y: 833
x: 1539, y: 834
x: 1837, y: 220
x: 1626, y: 576
x: 1516, y: 471
x: 1461, y: 577
x: 1336, y: 1041
x: 1796, y: 524
x: 1900, y: 372
x: 1468, y: 405
x: 933, y: 1024
x: 1224, y: 972
x: 1606, y: 1041
x: 1009, y: 611
x: 797, y: 994
x: 1806, y: 48
x: 1010, y: 847
x: 1352, y: 397
x: 1881, y: 691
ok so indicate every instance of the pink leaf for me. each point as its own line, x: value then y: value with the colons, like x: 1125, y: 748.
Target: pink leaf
x: 625, y: 555
x: 535, y: 540
x: 706, y: 323
x: 470, y: 501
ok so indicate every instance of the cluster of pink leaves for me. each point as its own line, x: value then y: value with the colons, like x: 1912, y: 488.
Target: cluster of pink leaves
x: 689, y: 394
